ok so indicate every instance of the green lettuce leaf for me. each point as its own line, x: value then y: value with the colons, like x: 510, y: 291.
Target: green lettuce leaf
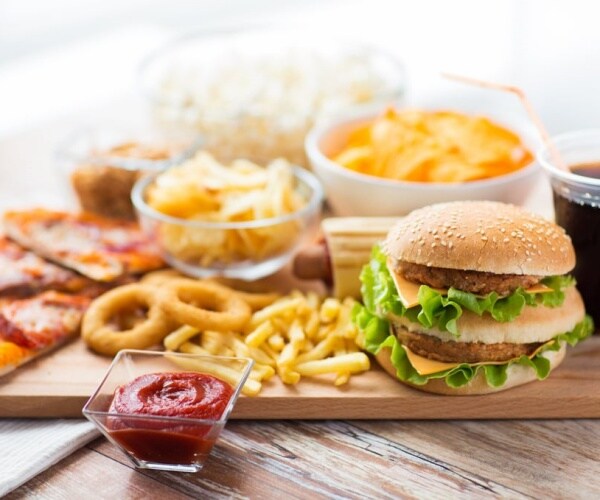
x: 377, y: 335
x: 380, y: 298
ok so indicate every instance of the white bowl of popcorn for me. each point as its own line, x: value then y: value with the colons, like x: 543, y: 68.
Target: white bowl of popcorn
x: 255, y: 93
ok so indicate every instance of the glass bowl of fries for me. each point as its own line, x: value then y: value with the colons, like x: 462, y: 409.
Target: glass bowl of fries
x: 175, y: 442
x: 236, y: 221
x: 255, y: 92
x: 367, y: 170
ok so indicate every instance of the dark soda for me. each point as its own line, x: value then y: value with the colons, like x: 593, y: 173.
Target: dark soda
x: 581, y: 220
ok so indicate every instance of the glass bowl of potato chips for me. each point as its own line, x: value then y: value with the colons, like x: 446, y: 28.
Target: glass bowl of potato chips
x: 391, y: 161
x: 239, y: 220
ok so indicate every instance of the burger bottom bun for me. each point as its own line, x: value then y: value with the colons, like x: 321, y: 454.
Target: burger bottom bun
x: 516, y: 375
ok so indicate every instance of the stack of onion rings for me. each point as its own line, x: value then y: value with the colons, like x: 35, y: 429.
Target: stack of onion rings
x: 102, y: 337
x: 170, y: 301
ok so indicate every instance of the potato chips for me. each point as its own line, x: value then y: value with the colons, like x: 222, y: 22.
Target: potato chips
x: 202, y: 189
x: 433, y: 146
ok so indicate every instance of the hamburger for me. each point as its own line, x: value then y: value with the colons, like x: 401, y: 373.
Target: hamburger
x: 471, y: 298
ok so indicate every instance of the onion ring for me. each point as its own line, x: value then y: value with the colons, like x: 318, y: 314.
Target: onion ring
x: 104, y: 338
x: 204, y: 305
x: 257, y: 301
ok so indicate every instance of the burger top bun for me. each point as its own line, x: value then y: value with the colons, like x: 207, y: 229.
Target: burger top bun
x: 516, y: 375
x: 483, y: 236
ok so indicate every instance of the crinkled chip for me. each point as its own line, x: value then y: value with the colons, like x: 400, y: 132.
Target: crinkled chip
x: 433, y: 146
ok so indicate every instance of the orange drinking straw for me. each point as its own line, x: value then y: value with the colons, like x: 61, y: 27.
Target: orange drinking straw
x: 556, y: 157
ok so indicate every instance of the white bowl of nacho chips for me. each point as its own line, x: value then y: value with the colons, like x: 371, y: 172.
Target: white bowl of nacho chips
x: 239, y: 220
x: 391, y: 162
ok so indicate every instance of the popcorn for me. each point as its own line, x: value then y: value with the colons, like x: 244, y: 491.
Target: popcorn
x: 261, y: 107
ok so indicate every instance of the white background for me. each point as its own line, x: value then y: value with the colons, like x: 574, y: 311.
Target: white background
x: 60, y: 58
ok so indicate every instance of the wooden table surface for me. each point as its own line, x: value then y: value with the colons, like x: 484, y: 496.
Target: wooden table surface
x: 318, y: 459
x: 359, y: 459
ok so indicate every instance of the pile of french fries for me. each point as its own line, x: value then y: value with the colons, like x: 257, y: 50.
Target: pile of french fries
x: 299, y: 335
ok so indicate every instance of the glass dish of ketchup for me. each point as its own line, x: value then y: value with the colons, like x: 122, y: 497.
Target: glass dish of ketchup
x: 160, y: 411
x: 576, y: 192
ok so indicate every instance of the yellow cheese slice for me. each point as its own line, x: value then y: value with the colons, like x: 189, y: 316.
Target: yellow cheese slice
x: 408, y: 291
x: 539, y: 288
x: 425, y: 366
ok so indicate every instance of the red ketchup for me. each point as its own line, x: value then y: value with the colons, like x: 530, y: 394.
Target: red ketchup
x: 171, y: 395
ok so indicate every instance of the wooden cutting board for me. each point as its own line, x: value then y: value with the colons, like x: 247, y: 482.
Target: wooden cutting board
x: 59, y: 384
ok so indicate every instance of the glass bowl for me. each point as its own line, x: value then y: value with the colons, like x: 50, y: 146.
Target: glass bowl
x: 155, y: 442
x: 254, y: 93
x: 100, y: 165
x: 198, y: 248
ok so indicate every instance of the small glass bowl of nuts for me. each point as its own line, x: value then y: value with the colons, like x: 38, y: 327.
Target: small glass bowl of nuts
x: 102, y: 165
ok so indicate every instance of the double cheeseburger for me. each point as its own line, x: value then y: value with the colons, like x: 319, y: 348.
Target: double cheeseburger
x: 471, y: 298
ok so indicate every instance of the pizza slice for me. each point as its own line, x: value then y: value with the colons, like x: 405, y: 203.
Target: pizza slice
x: 101, y: 249
x: 23, y: 273
x: 31, y: 327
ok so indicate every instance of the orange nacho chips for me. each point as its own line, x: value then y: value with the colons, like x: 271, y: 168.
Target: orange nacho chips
x: 433, y: 146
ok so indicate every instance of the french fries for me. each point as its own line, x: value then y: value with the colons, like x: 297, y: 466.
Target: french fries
x: 229, y: 374
x: 298, y: 335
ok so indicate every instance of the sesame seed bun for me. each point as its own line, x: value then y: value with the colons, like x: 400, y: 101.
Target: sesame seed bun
x: 481, y: 236
x: 516, y: 375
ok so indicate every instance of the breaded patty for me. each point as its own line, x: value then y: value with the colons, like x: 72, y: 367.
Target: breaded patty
x: 461, y: 352
x: 469, y: 281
